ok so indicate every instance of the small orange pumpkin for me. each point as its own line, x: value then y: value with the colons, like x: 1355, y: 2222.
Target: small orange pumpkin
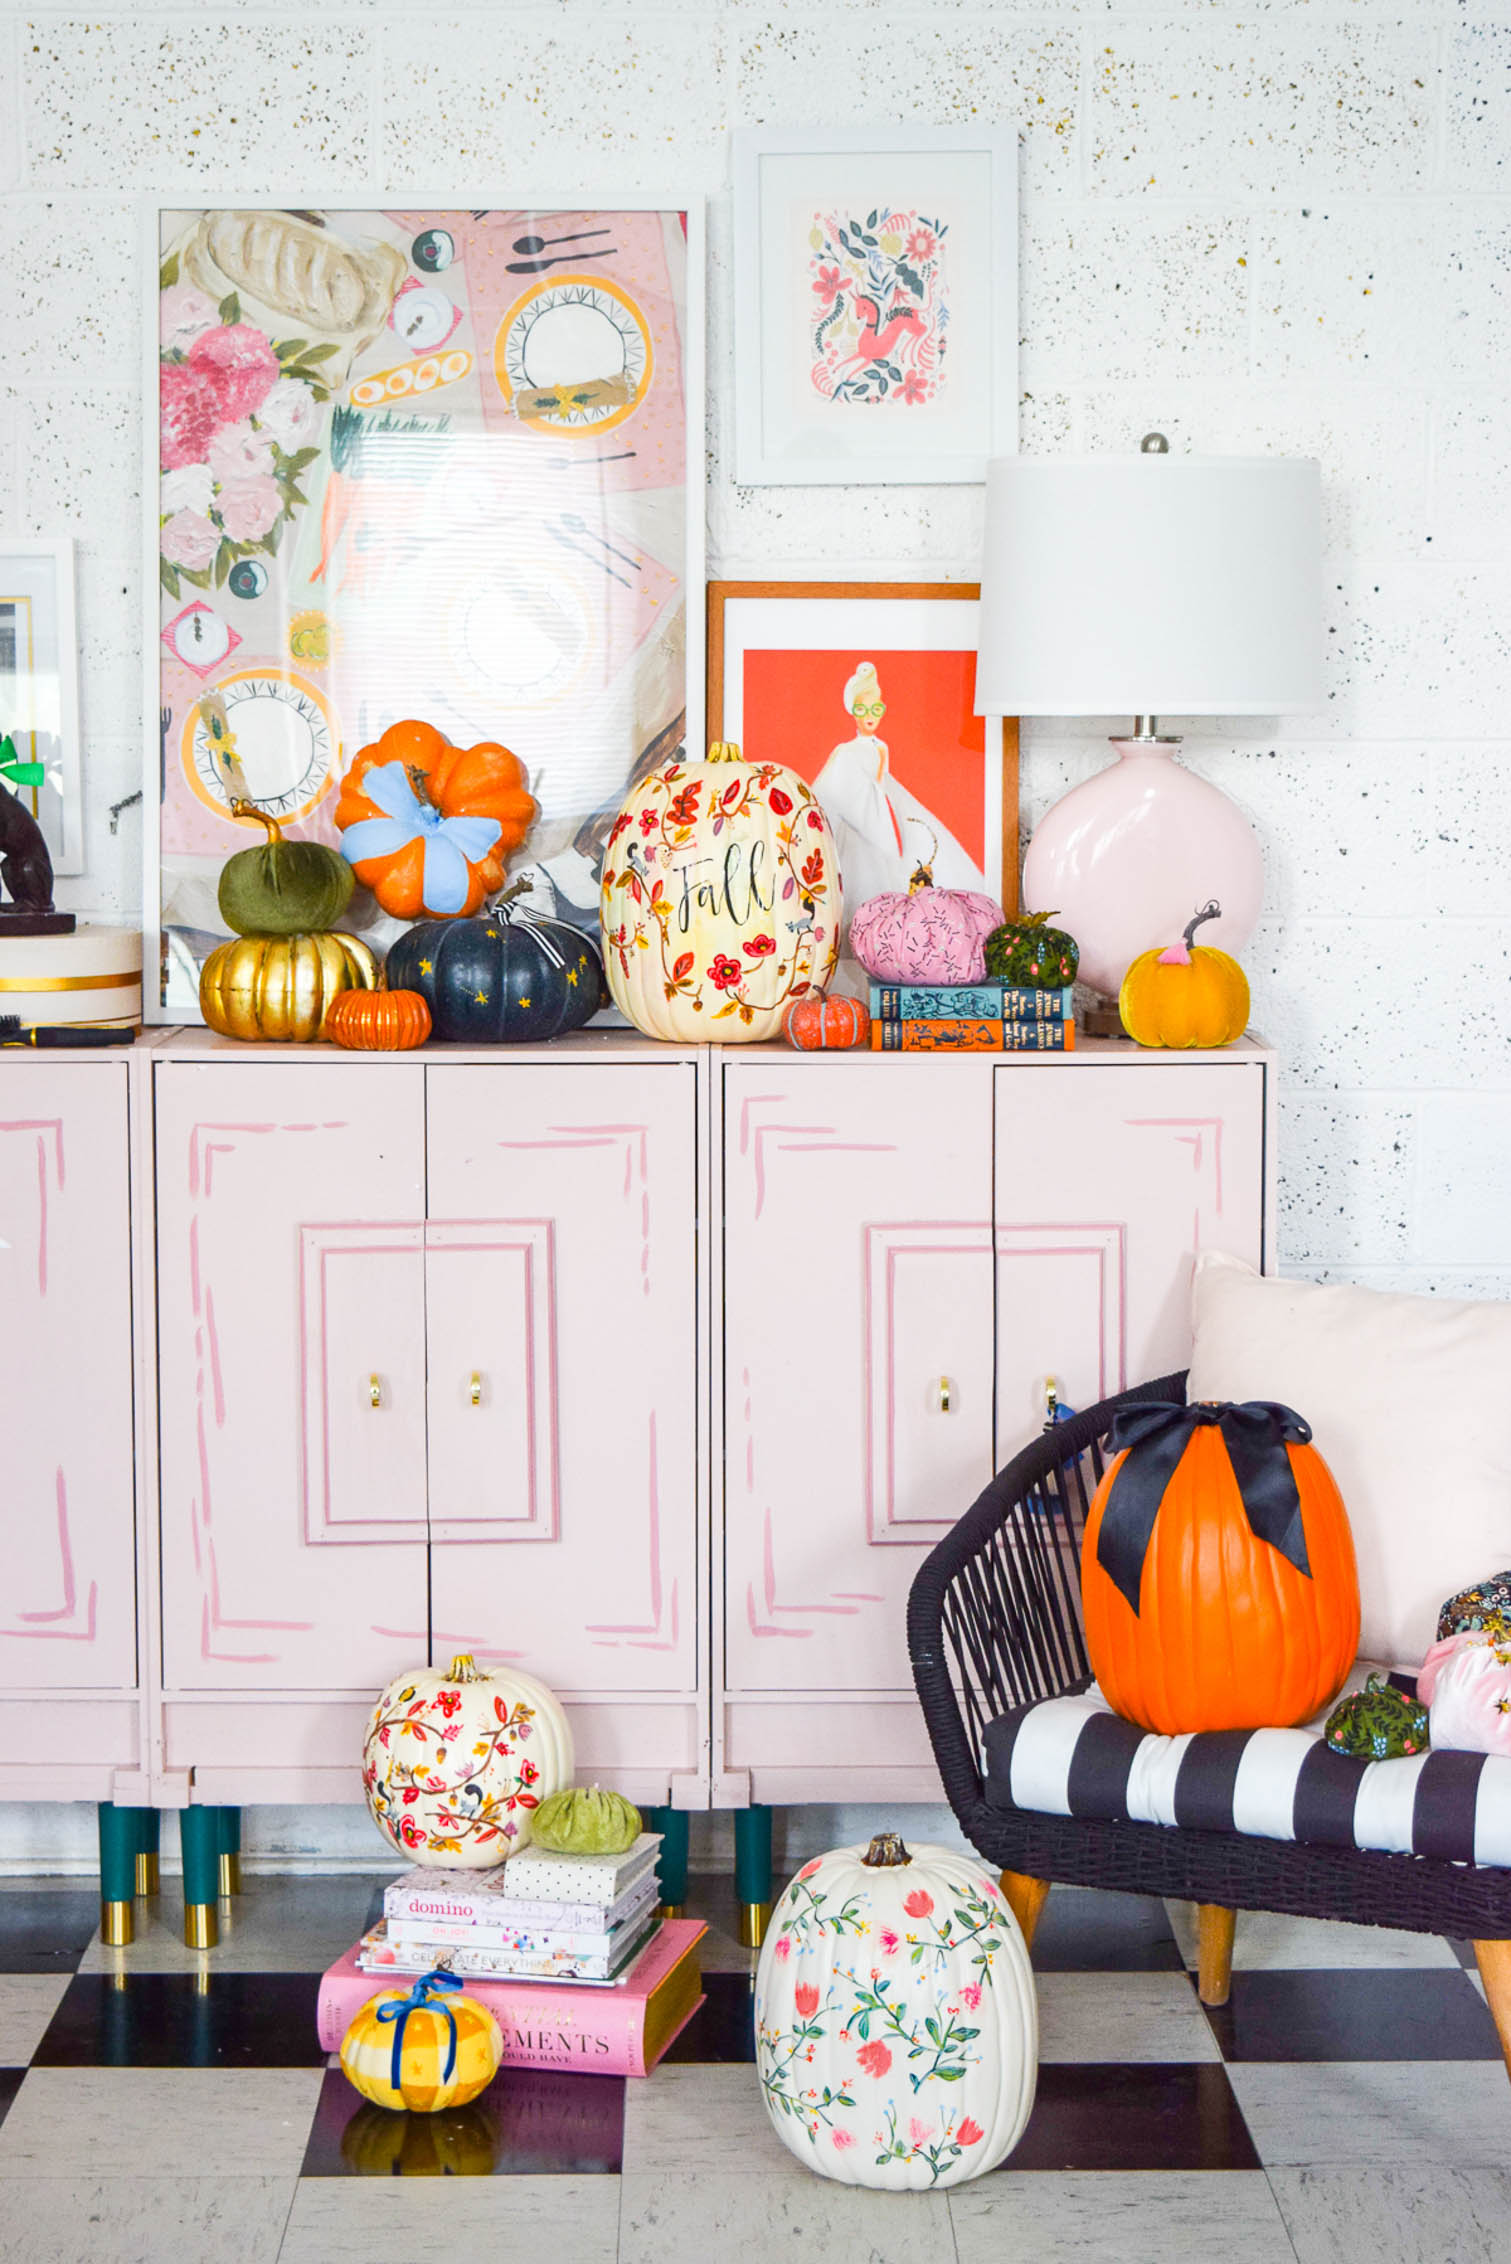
x: 386, y: 1021
x: 429, y: 827
x: 1228, y: 1632
x: 1188, y: 995
x: 813, y: 1024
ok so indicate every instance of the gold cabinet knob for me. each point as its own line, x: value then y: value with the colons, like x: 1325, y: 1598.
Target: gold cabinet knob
x: 944, y: 1395
x: 375, y: 1391
x: 476, y: 1389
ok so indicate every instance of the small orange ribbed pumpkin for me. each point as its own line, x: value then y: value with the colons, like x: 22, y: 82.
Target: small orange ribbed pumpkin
x: 1229, y: 1633
x: 387, y: 1021
x: 816, y: 1024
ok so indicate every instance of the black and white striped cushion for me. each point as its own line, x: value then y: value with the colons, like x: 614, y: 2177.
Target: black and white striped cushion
x: 1074, y: 1757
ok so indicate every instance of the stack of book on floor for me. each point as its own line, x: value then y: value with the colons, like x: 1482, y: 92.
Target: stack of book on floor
x: 983, y: 1017
x: 565, y: 1950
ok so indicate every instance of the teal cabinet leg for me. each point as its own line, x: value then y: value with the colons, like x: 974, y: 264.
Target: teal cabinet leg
x: 199, y: 1836
x: 229, y: 1843
x: 671, y: 1869
x: 118, y: 1841
x: 753, y: 1872
x: 148, y: 1864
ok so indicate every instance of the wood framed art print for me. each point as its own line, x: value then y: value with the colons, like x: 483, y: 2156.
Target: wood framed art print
x: 416, y: 461
x: 867, y: 691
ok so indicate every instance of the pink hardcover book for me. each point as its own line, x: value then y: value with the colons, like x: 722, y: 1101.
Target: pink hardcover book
x: 622, y: 2030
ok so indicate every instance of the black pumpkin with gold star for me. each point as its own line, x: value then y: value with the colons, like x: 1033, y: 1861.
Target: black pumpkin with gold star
x: 504, y: 978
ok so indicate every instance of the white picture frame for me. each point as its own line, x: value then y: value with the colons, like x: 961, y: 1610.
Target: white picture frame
x: 171, y: 998
x: 39, y: 687
x: 869, y: 356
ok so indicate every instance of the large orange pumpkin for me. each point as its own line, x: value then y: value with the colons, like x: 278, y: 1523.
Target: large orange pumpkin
x: 1229, y: 1631
x: 430, y: 827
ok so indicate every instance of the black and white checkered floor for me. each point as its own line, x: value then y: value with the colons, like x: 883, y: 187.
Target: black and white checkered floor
x: 1349, y: 2103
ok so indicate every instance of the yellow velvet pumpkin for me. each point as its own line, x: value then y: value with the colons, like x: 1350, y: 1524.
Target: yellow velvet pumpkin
x: 1188, y: 995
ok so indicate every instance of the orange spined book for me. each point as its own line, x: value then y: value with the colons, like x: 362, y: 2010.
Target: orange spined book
x: 973, y: 1037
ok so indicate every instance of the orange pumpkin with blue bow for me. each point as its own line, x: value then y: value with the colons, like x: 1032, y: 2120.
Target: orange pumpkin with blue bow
x: 1217, y: 1572
x: 423, y: 2048
x: 429, y: 827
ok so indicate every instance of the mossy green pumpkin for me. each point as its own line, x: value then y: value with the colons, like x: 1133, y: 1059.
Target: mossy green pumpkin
x: 283, y: 887
x: 591, y: 1822
x: 1026, y: 950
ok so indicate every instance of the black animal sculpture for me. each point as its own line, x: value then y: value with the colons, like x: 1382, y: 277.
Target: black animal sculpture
x: 26, y: 874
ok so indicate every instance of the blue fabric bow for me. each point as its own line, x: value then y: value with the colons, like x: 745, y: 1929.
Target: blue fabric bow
x: 426, y: 1991
x: 1157, y: 1434
x: 451, y: 844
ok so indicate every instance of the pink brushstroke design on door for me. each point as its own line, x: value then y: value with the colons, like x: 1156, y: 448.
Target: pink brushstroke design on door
x: 640, y: 1635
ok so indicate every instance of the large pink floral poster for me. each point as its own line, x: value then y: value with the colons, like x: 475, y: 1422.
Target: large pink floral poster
x: 423, y: 464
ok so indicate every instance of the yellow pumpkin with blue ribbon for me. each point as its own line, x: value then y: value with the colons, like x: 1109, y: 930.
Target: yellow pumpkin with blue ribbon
x: 423, y: 2049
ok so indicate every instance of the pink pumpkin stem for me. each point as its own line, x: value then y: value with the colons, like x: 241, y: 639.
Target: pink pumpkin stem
x: 1179, y: 954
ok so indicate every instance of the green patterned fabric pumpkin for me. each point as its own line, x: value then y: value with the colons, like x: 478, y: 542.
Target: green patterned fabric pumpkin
x: 1026, y: 950
x: 1484, y: 1609
x: 594, y: 1822
x: 1377, y: 1724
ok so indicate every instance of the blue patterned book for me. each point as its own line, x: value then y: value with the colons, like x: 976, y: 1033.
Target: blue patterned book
x: 968, y: 1002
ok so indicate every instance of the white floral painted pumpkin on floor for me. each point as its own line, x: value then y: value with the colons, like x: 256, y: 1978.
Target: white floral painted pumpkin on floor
x: 897, y: 2030
x: 455, y: 1764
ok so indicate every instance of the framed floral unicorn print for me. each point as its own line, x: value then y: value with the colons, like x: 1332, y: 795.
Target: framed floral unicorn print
x: 876, y: 304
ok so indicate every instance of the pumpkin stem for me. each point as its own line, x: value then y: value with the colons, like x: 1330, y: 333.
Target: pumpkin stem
x: 250, y: 810
x: 506, y: 896
x: 1213, y: 911
x: 886, y: 1852
x: 463, y: 1668
x: 923, y: 871
x: 724, y: 751
x: 420, y: 783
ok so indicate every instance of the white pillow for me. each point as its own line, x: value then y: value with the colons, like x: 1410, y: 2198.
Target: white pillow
x: 1409, y: 1399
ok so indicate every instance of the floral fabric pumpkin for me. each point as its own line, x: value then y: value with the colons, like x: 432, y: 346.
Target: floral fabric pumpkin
x: 897, y: 2031
x: 1217, y: 1570
x: 1377, y: 1723
x: 1466, y: 1684
x: 720, y: 899
x: 929, y: 935
x: 430, y: 827
x: 1484, y: 1609
x: 424, y: 2048
x: 454, y: 1765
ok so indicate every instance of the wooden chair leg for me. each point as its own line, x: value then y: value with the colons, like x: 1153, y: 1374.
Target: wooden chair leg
x: 1026, y: 1897
x: 1494, y: 1961
x: 1214, y: 1952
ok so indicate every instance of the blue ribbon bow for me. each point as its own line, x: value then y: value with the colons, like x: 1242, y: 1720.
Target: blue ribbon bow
x: 451, y: 844
x: 427, y: 1991
x: 1157, y: 1434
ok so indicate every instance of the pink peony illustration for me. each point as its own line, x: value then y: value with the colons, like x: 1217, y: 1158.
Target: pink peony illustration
x: 190, y: 488
x: 189, y: 540
x: 289, y: 414
x: 783, y: 1948
x: 970, y: 1995
x: 248, y: 508
x: 919, y: 2132
x: 239, y: 453
x: 805, y: 1997
x: 874, y: 2058
x: 241, y: 363
x: 841, y: 2139
x: 918, y: 1903
x: 890, y: 1942
x: 184, y: 314
x: 190, y: 411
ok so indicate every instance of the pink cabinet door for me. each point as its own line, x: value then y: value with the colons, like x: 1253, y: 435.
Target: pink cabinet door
x: 67, y: 1536
x: 562, y: 1302
x: 291, y: 1320
x: 857, y: 1355
x: 1110, y: 1177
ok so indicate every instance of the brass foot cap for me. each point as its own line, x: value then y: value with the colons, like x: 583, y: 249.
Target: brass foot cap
x: 755, y: 1917
x: 148, y: 1875
x: 117, y: 1924
x: 201, y: 1926
x: 230, y: 1874
x: 670, y: 1909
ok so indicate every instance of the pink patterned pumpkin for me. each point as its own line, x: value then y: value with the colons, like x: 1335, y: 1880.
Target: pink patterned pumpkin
x: 1465, y: 1683
x: 931, y: 935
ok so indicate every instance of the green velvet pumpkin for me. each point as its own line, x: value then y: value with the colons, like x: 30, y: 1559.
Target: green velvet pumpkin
x: 283, y: 887
x: 1377, y: 1723
x: 1026, y: 950
x: 591, y: 1822
x: 501, y: 979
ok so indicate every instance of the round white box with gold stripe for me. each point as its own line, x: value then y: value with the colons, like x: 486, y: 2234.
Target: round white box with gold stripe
x: 93, y: 975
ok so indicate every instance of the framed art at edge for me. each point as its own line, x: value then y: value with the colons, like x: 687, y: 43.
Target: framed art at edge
x: 876, y: 304
x: 867, y: 691
x: 413, y: 460
x: 39, y: 690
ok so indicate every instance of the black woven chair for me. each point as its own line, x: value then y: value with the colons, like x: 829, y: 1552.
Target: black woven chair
x: 994, y: 1623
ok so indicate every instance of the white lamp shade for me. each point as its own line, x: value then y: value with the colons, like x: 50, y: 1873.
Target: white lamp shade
x: 1151, y: 585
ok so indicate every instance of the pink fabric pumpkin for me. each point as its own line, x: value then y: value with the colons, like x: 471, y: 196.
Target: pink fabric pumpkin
x: 1466, y: 1683
x: 931, y: 935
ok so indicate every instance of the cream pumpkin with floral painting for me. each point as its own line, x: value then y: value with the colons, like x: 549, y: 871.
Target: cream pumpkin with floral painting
x: 455, y: 1765
x: 897, y: 2031
x: 720, y: 899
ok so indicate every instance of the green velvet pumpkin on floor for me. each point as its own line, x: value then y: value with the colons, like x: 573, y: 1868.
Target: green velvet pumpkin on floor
x: 283, y: 887
x: 504, y: 978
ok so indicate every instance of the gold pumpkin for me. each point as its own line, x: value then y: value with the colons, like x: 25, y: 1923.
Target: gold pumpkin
x: 1188, y: 995
x: 277, y: 987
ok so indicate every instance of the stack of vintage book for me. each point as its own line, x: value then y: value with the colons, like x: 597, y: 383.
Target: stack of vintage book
x: 983, y: 1017
x: 565, y: 1950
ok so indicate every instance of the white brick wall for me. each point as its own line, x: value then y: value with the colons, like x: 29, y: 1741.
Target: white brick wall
x: 1269, y: 226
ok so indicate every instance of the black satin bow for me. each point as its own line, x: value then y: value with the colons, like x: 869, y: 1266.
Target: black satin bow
x: 1157, y: 1435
